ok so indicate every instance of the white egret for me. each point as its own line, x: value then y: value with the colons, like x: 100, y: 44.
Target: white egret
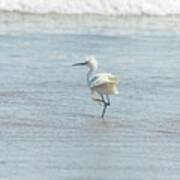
x: 101, y: 84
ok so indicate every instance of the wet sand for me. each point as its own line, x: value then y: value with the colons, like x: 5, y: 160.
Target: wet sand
x: 88, y: 148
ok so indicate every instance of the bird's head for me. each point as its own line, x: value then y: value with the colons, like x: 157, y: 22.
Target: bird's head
x: 91, y: 62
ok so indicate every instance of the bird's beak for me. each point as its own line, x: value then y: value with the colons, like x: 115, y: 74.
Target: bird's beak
x: 80, y: 64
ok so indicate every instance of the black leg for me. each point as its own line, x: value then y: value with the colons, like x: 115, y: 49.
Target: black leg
x: 105, y: 105
x: 104, y: 110
x: 108, y: 100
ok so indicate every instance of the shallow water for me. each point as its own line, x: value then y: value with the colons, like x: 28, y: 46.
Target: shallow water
x: 50, y: 128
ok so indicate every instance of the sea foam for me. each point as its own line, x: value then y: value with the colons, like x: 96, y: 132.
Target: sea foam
x: 101, y: 7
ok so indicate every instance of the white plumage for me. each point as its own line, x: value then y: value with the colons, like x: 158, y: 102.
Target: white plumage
x: 101, y: 84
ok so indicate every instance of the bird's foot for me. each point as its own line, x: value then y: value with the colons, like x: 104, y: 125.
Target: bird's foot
x: 108, y: 103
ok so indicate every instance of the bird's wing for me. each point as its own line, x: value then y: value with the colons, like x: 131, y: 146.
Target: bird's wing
x: 103, y: 78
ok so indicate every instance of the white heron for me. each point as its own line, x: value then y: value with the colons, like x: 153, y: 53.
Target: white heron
x: 101, y: 84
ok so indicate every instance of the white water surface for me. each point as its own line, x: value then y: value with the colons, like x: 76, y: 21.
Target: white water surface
x: 101, y: 7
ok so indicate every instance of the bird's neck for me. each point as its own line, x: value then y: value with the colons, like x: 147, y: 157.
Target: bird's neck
x: 89, y: 74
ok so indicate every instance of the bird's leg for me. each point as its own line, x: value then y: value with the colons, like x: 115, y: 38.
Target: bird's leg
x: 108, y: 100
x: 104, y: 110
x: 105, y: 106
x: 103, y: 99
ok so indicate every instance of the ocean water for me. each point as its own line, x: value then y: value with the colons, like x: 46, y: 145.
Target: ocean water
x: 49, y: 126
